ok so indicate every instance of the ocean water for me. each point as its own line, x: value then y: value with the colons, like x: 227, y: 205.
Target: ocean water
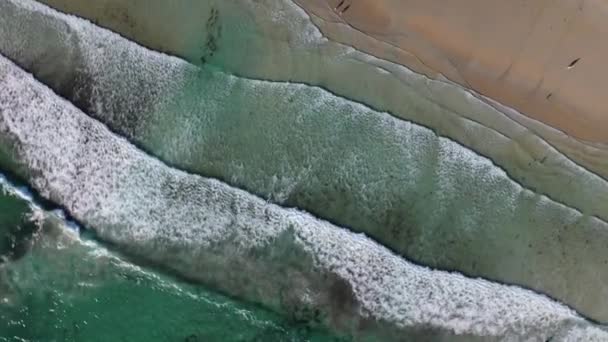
x: 276, y: 193
x: 64, y: 286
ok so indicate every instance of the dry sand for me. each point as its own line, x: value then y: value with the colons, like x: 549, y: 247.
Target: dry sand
x: 544, y: 58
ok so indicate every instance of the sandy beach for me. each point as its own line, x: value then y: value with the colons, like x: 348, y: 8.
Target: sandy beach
x: 526, y: 54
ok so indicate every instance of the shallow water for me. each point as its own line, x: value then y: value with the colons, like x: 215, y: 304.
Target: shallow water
x: 67, y: 287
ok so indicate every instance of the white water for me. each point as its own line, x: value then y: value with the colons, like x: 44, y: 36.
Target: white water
x: 243, y: 245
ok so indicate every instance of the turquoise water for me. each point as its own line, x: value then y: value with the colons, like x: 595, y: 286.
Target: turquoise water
x: 66, y: 287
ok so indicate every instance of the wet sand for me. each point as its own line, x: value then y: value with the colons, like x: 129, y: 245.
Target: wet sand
x: 520, y: 60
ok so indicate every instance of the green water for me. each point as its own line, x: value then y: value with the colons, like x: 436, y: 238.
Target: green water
x: 65, y: 287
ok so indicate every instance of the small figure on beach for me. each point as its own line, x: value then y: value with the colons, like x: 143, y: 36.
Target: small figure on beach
x: 343, y: 6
